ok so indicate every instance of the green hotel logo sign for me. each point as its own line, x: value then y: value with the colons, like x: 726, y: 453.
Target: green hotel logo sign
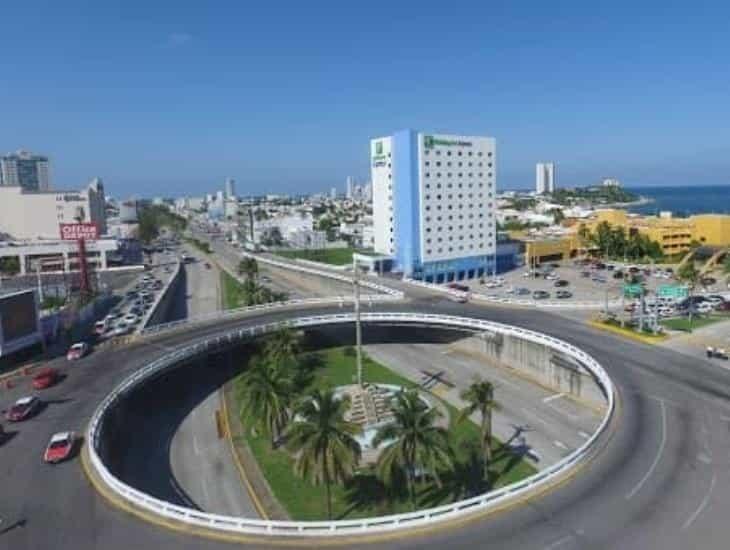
x: 378, y: 147
x: 429, y: 142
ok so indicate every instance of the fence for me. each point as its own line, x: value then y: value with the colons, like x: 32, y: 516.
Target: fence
x: 191, y: 517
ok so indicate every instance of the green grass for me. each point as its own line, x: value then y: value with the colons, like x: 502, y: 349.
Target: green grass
x: 234, y: 294
x: 697, y: 322
x: 333, y: 256
x: 364, y: 496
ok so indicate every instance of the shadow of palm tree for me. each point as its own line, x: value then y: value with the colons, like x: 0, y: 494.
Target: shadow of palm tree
x: 463, y: 480
x: 366, y: 492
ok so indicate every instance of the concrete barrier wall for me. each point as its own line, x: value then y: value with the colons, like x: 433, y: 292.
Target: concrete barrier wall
x: 165, y: 302
x: 537, y: 362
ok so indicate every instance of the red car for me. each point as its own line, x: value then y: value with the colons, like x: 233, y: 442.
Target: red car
x: 23, y: 408
x: 59, y: 447
x: 45, y: 379
x: 77, y: 351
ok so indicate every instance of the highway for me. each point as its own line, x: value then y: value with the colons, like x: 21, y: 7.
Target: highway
x: 660, y: 482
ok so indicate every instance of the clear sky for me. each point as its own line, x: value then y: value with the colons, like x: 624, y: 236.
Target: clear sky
x: 166, y: 98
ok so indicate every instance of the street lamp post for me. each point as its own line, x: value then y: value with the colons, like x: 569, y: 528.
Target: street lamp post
x: 358, y: 327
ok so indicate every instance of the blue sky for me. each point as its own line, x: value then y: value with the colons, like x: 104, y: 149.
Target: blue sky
x: 166, y: 98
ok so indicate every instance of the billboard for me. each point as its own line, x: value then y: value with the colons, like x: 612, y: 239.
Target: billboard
x: 76, y: 231
x: 18, y: 321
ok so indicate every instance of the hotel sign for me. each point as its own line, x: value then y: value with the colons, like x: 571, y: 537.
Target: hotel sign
x: 429, y: 142
x: 379, y: 158
x: 76, y: 231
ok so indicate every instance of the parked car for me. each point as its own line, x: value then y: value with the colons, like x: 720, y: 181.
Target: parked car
x: 77, y: 351
x: 552, y: 277
x: 618, y: 274
x: 598, y: 279
x: 460, y: 287
x: 522, y: 291
x: 458, y: 298
x: 561, y: 282
x: 563, y: 294
x: 45, y: 379
x: 59, y: 447
x: 540, y: 295
x: 23, y: 408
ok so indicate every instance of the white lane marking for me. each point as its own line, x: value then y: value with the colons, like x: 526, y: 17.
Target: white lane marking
x: 703, y: 504
x: 560, y: 444
x: 196, y: 449
x: 553, y: 397
x: 584, y: 435
x: 662, y: 443
x: 559, y: 542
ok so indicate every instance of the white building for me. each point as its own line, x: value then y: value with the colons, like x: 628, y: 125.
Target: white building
x: 48, y: 256
x: 308, y: 238
x: 24, y: 169
x: 610, y: 182
x: 38, y: 214
x: 434, y: 204
x: 544, y: 178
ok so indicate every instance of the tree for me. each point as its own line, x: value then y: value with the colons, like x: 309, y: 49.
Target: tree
x: 558, y: 215
x: 480, y: 398
x: 282, y: 346
x: 726, y: 263
x: 10, y: 265
x: 689, y: 274
x: 324, y: 441
x: 266, y: 394
x: 416, y: 445
x: 248, y: 267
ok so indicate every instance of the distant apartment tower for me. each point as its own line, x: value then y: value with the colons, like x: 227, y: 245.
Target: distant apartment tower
x: 350, y: 187
x: 610, y: 182
x: 230, y: 188
x: 544, y: 178
x: 26, y: 170
x: 434, y: 204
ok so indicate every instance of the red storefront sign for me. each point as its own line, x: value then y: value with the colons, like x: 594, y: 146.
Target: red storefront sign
x: 76, y: 231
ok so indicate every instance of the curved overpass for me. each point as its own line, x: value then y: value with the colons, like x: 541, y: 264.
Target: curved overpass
x: 660, y: 482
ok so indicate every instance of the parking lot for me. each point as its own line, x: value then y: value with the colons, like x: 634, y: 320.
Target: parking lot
x: 570, y: 281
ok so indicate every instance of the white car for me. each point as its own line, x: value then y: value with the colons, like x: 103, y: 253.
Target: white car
x: 704, y: 307
x: 120, y: 329
x: 552, y: 277
x: 131, y: 319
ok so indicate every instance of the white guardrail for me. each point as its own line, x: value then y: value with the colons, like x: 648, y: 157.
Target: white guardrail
x: 365, y: 300
x: 321, y: 273
x: 160, y: 297
x: 428, y: 516
x: 566, y: 304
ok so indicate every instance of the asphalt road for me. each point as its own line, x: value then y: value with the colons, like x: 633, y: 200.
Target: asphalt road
x: 662, y: 480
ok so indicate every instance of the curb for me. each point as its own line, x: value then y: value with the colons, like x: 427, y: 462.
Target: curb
x: 628, y: 334
x: 237, y: 461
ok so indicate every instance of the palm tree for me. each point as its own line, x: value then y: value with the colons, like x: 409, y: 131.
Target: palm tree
x: 689, y: 274
x: 249, y: 267
x: 414, y: 443
x: 266, y: 394
x: 282, y: 346
x: 480, y: 398
x: 324, y: 441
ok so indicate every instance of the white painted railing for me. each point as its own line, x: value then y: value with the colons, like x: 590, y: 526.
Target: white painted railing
x: 322, y: 273
x: 366, y: 300
x: 428, y: 516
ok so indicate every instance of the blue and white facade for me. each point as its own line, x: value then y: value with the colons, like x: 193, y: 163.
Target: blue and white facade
x: 434, y: 204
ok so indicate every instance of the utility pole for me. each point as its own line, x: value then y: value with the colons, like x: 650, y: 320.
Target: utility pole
x: 40, y: 283
x: 358, y: 327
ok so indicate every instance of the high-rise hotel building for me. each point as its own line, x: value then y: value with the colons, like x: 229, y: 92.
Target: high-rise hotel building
x: 434, y: 201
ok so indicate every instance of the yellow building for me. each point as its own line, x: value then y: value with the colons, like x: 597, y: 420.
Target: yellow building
x: 675, y: 235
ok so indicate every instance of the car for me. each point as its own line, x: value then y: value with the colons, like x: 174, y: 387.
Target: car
x: 120, y: 329
x: 561, y: 282
x: 522, y: 291
x: 458, y: 298
x: 77, y: 351
x: 265, y: 279
x: 708, y: 281
x: 540, y: 295
x: 131, y: 319
x: 598, y: 279
x: 459, y: 287
x: 715, y: 299
x: 725, y: 306
x: 100, y: 327
x: 585, y: 274
x: 23, y: 408
x: 59, y: 447
x: 552, y: 276
x: 563, y: 294
x: 45, y: 378
x: 704, y: 307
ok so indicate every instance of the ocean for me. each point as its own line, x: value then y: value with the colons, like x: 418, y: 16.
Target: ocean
x: 684, y: 201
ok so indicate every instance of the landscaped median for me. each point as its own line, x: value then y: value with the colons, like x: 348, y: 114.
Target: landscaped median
x: 365, y: 493
x: 627, y: 332
x: 332, y: 256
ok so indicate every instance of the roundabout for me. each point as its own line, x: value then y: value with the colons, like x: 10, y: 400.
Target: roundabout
x: 659, y: 480
x: 100, y: 427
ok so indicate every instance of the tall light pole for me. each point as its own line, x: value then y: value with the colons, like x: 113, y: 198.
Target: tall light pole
x: 358, y: 327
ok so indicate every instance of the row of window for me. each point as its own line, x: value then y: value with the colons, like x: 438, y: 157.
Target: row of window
x: 459, y: 196
x: 450, y: 218
x: 450, y: 175
x: 437, y: 152
x: 458, y: 185
x: 459, y: 248
x: 438, y: 163
x: 460, y: 237
x: 460, y: 206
